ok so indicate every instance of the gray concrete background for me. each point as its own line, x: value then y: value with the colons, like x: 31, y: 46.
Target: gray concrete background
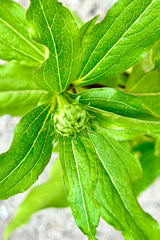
x: 58, y: 224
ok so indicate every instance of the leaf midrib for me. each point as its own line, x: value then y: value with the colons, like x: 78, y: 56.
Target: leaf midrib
x: 116, y: 188
x: 82, y: 194
x: 32, y: 144
x: 113, y: 45
x: 53, y: 40
x: 21, y: 51
x: 112, y: 101
x: 32, y: 167
x: 91, y: 79
x: 22, y: 37
x: 100, y: 41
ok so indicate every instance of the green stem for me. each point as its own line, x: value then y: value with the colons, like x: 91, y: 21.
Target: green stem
x: 62, y: 101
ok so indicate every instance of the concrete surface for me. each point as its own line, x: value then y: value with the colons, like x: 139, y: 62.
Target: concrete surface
x: 57, y: 224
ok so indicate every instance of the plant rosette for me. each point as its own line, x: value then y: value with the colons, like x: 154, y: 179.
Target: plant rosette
x: 92, y: 90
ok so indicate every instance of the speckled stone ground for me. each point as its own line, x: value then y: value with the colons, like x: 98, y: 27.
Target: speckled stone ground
x: 58, y: 224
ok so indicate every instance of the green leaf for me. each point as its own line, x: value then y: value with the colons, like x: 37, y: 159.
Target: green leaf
x: 122, y: 39
x: 136, y: 74
x: 109, y: 82
x: 147, y: 88
x: 113, y: 100
x: 15, y: 43
x: 115, y: 190
x: 115, y: 82
x: 18, y: 92
x: 122, y: 128
x: 157, y: 147
x: 149, y: 62
x: 150, y: 163
x: 87, y: 27
x: 47, y: 195
x: 55, y: 149
x: 29, y: 153
x: 79, y: 22
x: 79, y: 163
x: 157, y: 63
x: 53, y: 25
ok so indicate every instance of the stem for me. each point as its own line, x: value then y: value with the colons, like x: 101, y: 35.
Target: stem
x: 62, y: 101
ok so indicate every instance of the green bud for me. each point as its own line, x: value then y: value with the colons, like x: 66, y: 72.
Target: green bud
x: 70, y: 120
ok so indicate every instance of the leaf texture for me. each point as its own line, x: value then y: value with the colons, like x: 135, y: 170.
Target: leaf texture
x: 122, y: 128
x: 29, y: 153
x: 150, y: 61
x: 79, y: 163
x: 115, y: 191
x: 147, y: 88
x: 150, y: 163
x: 15, y: 43
x: 18, y: 92
x: 122, y: 39
x: 53, y: 25
x: 113, y: 100
x: 87, y: 27
x: 47, y: 195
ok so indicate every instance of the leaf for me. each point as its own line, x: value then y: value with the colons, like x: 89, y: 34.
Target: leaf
x: 47, y: 195
x: 53, y: 25
x: 78, y: 20
x: 122, y: 128
x: 109, y: 82
x: 79, y: 163
x: 147, y: 88
x: 55, y: 149
x: 149, y: 63
x: 115, y: 190
x: 157, y: 147
x: 117, y: 114
x: 113, y: 100
x: 87, y: 27
x: 122, y: 39
x: 29, y: 153
x: 157, y: 63
x: 150, y: 163
x: 15, y: 43
x: 136, y: 74
x: 18, y: 92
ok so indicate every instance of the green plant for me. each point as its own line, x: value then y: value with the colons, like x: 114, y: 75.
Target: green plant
x: 106, y: 135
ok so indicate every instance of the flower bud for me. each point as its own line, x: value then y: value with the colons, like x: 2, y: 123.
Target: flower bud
x: 70, y: 120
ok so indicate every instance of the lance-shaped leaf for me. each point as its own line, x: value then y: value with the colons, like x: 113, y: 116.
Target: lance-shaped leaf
x: 53, y: 25
x: 150, y: 162
x: 79, y: 163
x: 29, y: 153
x: 126, y: 34
x: 87, y: 27
x: 15, y: 43
x: 76, y: 18
x: 122, y: 128
x: 115, y: 190
x: 47, y: 195
x: 113, y: 100
x: 147, y: 88
x: 18, y: 92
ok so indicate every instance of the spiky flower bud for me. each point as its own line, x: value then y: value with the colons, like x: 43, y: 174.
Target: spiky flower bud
x: 70, y: 120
